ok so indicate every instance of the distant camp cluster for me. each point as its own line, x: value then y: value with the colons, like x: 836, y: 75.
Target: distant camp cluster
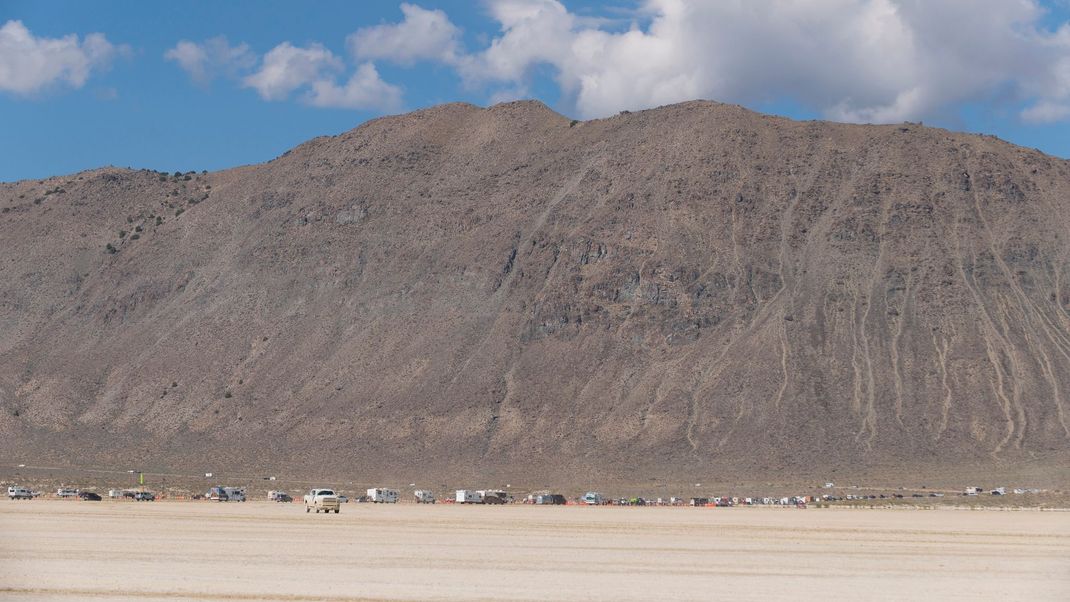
x: 329, y: 500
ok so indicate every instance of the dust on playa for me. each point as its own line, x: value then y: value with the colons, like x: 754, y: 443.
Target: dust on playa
x: 65, y: 550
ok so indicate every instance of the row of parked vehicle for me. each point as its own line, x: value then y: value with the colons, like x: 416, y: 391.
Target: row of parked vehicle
x: 23, y: 493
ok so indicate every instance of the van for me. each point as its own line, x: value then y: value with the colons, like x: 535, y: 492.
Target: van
x: 592, y: 498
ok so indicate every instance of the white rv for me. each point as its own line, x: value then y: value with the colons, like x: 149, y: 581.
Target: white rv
x: 383, y: 496
x: 235, y: 494
x: 19, y: 493
x: 423, y: 496
x: 468, y: 496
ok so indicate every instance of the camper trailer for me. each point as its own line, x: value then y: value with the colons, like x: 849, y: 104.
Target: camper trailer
x: 592, y: 498
x: 468, y: 496
x: 383, y: 496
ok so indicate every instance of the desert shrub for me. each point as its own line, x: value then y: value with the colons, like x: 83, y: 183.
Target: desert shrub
x: 227, y: 395
x: 163, y: 178
x: 122, y: 233
x: 179, y: 211
x: 573, y: 122
x: 110, y: 249
x: 186, y: 178
x: 135, y: 237
x: 174, y: 384
x: 137, y: 228
x: 178, y: 174
x: 159, y: 220
x: 37, y: 201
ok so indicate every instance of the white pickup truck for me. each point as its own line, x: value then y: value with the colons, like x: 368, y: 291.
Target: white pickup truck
x: 322, y: 499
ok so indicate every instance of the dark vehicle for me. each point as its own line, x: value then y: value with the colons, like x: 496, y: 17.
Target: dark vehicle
x: 492, y: 499
x: 283, y: 497
x: 550, y: 499
x: 89, y: 496
x: 130, y: 494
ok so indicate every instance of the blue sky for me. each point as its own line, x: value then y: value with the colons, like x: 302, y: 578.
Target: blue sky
x: 291, y: 71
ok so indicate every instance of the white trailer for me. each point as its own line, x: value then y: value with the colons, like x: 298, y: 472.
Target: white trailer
x: 380, y: 495
x: 468, y: 496
x: 19, y: 493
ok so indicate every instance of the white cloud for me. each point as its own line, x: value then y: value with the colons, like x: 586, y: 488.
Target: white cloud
x: 364, y: 90
x: 211, y: 58
x: 30, y: 64
x: 422, y: 35
x: 852, y: 60
x: 286, y: 68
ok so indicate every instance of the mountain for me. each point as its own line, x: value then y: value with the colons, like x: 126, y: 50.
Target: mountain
x: 460, y: 292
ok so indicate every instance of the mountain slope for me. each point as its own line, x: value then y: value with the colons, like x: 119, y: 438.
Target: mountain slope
x: 694, y: 289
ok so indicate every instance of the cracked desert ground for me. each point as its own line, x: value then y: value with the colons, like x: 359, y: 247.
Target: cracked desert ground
x: 70, y: 550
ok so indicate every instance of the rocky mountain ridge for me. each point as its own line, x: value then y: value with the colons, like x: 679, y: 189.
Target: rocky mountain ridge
x: 690, y: 290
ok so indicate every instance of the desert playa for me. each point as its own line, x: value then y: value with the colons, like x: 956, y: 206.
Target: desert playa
x: 66, y: 550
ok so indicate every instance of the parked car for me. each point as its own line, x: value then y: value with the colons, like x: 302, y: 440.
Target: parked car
x: 65, y: 492
x: 279, y: 496
x: 493, y: 500
x: 343, y: 499
x: 89, y: 496
x: 144, y: 496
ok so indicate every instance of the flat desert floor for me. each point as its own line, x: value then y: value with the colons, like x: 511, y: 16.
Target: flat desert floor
x: 71, y: 550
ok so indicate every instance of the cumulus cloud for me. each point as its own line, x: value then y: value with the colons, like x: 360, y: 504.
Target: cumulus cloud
x: 422, y: 35
x: 206, y: 60
x: 364, y: 90
x: 286, y: 68
x: 30, y: 64
x: 851, y: 60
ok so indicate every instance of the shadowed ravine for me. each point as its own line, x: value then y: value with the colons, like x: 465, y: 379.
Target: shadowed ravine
x: 695, y: 289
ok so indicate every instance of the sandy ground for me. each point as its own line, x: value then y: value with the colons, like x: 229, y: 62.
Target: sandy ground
x: 70, y: 550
